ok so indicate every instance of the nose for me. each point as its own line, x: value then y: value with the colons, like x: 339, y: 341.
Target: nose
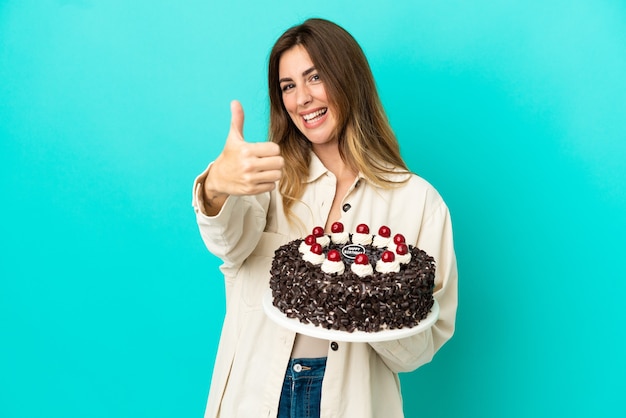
x: 304, y: 96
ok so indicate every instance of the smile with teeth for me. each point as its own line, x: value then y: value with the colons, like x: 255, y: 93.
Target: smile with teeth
x: 310, y: 117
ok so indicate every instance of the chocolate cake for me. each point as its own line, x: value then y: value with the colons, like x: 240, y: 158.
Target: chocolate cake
x: 355, y: 281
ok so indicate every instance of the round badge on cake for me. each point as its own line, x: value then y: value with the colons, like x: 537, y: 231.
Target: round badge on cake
x: 359, y: 282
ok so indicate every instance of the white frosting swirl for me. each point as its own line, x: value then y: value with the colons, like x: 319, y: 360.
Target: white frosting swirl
x: 381, y: 242
x: 340, y: 237
x: 362, y: 270
x: 324, y: 240
x: 313, y: 258
x: 362, y: 239
x: 403, y: 258
x: 332, y: 267
x: 304, y: 248
x: 388, y: 267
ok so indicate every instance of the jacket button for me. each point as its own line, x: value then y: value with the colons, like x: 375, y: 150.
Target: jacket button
x: 346, y: 207
x: 334, y: 346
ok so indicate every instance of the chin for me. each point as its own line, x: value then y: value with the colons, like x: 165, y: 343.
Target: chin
x: 320, y: 142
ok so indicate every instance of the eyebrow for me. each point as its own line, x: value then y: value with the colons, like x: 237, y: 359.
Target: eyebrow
x: 304, y: 74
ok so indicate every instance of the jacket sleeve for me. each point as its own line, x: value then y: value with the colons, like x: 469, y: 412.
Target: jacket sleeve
x: 436, y: 239
x: 234, y: 232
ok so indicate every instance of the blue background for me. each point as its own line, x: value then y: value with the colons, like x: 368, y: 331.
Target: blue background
x: 110, y: 306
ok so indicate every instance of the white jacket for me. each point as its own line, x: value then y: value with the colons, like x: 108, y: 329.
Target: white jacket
x: 361, y: 378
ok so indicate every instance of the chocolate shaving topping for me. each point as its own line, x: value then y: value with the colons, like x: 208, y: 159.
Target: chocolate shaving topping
x: 348, y: 302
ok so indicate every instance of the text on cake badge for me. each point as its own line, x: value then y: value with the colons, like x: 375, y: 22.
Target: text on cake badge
x: 352, y: 250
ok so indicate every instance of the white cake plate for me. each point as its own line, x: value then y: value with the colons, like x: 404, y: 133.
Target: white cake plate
x: 356, y: 336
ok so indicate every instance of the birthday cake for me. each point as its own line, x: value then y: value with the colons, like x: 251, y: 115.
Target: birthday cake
x: 358, y: 281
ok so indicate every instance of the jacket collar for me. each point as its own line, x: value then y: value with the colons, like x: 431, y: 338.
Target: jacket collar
x: 317, y: 169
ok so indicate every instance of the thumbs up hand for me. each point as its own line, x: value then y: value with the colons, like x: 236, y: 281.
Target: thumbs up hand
x: 243, y: 168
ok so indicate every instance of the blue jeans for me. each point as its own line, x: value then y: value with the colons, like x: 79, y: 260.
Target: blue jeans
x: 302, y: 388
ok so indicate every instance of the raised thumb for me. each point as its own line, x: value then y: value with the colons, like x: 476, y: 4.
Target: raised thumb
x: 236, y: 117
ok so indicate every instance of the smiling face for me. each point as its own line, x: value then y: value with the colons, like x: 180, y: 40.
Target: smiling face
x: 304, y: 97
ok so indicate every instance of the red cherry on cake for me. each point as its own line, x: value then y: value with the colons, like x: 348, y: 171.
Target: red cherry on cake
x: 402, y: 249
x: 384, y: 231
x: 336, y: 228
x: 310, y: 240
x: 318, y: 231
x: 398, y: 239
x: 362, y: 229
x: 361, y: 259
x: 388, y: 257
x: 316, y: 248
x: 333, y: 255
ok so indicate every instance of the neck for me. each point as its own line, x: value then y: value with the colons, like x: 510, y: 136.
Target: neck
x: 329, y: 156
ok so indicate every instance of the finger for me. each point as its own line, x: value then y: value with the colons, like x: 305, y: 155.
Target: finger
x: 269, y: 176
x: 265, y: 149
x: 262, y: 188
x: 269, y: 164
x: 236, y: 118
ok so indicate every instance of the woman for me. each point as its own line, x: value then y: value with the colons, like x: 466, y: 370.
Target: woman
x: 331, y: 157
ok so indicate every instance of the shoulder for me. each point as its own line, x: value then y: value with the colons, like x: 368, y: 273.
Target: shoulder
x: 422, y: 187
x: 420, y: 183
x: 401, y: 181
x: 414, y: 192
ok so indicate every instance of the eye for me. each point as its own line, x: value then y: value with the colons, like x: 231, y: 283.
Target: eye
x: 286, y: 87
x: 315, y: 78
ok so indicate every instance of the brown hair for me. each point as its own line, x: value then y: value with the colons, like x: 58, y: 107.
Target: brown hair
x: 366, y: 141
